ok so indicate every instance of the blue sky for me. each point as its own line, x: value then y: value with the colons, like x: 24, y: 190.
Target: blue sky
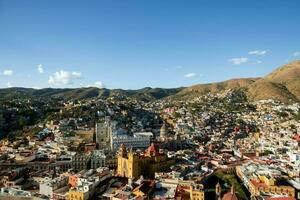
x: 134, y: 44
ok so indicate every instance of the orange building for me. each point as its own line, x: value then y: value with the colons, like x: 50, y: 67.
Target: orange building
x: 73, y: 180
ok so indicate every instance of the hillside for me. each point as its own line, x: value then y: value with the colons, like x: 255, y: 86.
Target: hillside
x: 282, y: 84
x: 200, y: 89
x: 147, y: 94
x: 263, y: 89
x: 285, y: 74
x: 289, y: 76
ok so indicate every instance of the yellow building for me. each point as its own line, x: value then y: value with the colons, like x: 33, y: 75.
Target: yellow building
x: 256, y: 136
x: 257, y: 188
x: 196, y: 192
x: 132, y: 165
x: 267, y: 181
x: 264, y: 184
x: 78, y: 195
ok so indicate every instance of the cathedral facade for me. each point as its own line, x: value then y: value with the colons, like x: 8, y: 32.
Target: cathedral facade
x: 133, y: 165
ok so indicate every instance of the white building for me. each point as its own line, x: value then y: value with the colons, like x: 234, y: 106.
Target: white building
x: 139, y: 140
x: 87, y: 186
x: 10, y: 193
x: 143, y: 134
x: 49, y: 185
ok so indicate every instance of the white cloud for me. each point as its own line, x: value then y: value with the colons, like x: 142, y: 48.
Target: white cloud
x: 98, y: 84
x: 63, y: 78
x: 40, y: 69
x: 8, y: 84
x: 238, y: 61
x: 8, y: 72
x: 257, y: 52
x: 190, y: 75
x: 179, y: 67
x: 296, y: 54
x: 76, y: 74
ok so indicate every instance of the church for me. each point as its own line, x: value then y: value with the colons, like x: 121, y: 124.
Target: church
x: 231, y: 195
x: 134, y: 165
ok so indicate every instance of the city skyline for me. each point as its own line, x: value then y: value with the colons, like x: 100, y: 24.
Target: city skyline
x: 139, y: 99
x: 131, y: 45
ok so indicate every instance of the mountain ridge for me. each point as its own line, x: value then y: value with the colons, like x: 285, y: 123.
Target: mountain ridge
x: 282, y: 84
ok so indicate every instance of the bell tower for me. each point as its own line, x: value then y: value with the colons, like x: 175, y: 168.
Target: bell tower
x: 122, y: 151
x: 122, y: 161
x: 133, y: 165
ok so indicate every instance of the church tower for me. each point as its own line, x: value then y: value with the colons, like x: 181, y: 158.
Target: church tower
x: 103, y: 132
x: 122, y: 151
x: 163, y: 131
x: 128, y: 163
x: 122, y: 161
x: 133, y: 165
